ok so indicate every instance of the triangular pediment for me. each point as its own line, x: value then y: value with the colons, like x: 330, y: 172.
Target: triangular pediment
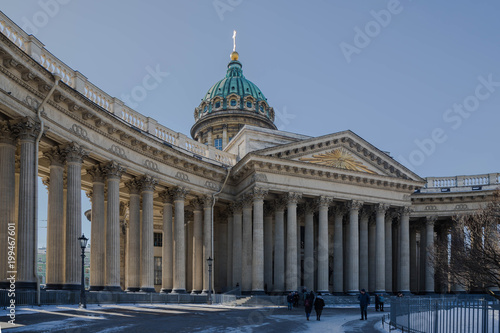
x: 342, y: 151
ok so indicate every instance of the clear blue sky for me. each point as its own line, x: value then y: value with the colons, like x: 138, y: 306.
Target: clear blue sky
x: 400, y: 86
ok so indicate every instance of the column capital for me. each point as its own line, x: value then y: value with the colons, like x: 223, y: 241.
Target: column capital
x: 365, y: 212
x: 133, y: 186
x: 166, y: 197
x: 258, y: 193
x: 178, y: 193
x: 113, y: 169
x: 74, y: 152
x: 8, y: 132
x: 235, y: 207
x: 405, y: 211
x: 430, y: 219
x: 279, y: 204
x: 247, y: 201
x: 268, y: 209
x: 208, y: 201
x: 381, y: 208
x: 27, y: 128
x: 323, y: 201
x: 197, y: 204
x: 354, y: 205
x: 147, y: 183
x: 96, y: 173
x: 309, y: 207
x: 89, y: 194
x: 292, y: 198
x: 339, y: 209
x: 55, y: 156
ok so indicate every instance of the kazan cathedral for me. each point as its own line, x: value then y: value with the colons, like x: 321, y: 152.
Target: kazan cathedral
x: 274, y: 211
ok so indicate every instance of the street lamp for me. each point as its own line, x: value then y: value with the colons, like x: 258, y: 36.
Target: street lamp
x: 83, y: 244
x: 209, y: 261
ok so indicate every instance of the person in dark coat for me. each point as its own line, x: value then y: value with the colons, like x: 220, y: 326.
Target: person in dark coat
x: 381, y: 301
x: 308, y: 304
x: 319, y: 304
x: 289, y: 299
x: 377, y: 302
x: 296, y: 299
x: 364, y: 301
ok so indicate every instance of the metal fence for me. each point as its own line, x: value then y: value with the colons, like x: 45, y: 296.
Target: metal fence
x: 467, y: 314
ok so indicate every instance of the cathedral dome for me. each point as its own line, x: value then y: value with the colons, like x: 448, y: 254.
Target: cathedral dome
x: 230, y: 104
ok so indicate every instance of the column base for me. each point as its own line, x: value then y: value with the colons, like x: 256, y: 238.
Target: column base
x: 25, y: 285
x: 204, y: 292
x: 259, y: 292
x: 148, y: 290
x: 54, y: 286
x: 323, y: 292
x: 132, y: 289
x: 96, y: 288
x: 112, y: 288
x: 178, y: 291
x: 353, y: 292
x: 165, y: 291
x: 195, y: 292
x: 72, y: 287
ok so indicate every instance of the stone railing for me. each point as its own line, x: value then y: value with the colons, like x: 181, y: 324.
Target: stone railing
x: 34, y: 48
x: 460, y: 181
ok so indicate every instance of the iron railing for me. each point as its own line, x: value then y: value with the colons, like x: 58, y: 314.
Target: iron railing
x: 467, y: 314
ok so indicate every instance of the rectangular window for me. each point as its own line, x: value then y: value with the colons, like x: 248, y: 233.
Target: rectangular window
x: 218, y: 144
x: 158, y: 270
x: 158, y: 239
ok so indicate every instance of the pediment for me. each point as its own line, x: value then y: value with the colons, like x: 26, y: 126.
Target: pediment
x: 343, y: 151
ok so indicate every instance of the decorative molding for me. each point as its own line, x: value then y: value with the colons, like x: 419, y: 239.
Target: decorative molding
x: 74, y: 152
x: 119, y: 151
x: 151, y: 165
x: 259, y: 177
x: 211, y: 185
x: 79, y: 131
x: 182, y: 176
x: 113, y: 169
x: 338, y: 158
x: 354, y: 204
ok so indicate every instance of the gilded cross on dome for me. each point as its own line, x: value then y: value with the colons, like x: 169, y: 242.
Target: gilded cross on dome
x: 337, y: 158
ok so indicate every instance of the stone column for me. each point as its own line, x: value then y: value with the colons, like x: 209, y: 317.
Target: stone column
x: 388, y: 251
x: 134, y: 240
x: 429, y: 244
x: 179, y: 287
x: 363, y: 250
x: 323, y: 271
x: 309, y: 264
x: 268, y: 248
x: 423, y: 256
x: 380, y: 211
x: 224, y: 136
x: 7, y: 198
x: 258, y: 195
x: 148, y: 184
x: 113, y: 172
x: 210, y: 141
x: 246, y: 253
x: 207, y: 239
x: 413, y: 260
x: 404, y: 250
x: 291, y: 241
x: 229, y: 250
x: 237, y: 243
x: 55, y: 220
x: 97, y: 245
x: 167, y: 271
x: 26, y: 230
x: 74, y: 158
x: 198, y: 258
x: 338, y: 251
x: 353, y: 279
x: 372, y: 262
x: 279, y: 246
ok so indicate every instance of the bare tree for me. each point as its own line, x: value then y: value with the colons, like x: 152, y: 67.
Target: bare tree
x: 472, y: 258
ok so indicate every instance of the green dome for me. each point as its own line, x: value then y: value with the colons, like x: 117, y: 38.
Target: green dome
x: 234, y: 83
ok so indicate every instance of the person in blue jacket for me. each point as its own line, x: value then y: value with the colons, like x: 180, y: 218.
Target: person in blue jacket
x: 364, y: 301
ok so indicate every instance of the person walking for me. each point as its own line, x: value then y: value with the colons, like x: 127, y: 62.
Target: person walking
x: 289, y: 299
x: 377, y: 302
x: 308, y: 304
x: 381, y: 301
x: 364, y: 301
x: 319, y: 304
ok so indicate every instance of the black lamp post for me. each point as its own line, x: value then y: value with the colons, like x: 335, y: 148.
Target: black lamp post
x: 83, y: 244
x: 209, y: 261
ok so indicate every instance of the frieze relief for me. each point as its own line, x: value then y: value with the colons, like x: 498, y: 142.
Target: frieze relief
x: 182, y: 176
x: 259, y: 177
x: 211, y: 185
x: 117, y: 150
x: 151, y: 165
x: 79, y: 131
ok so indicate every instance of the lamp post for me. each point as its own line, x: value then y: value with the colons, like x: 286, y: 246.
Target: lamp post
x: 209, y: 261
x: 83, y: 244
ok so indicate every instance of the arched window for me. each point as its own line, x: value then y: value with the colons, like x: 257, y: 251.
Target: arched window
x: 217, y: 104
x: 249, y: 104
x: 233, y: 102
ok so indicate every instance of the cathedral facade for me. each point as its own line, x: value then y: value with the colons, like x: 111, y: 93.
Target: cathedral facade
x: 276, y: 211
